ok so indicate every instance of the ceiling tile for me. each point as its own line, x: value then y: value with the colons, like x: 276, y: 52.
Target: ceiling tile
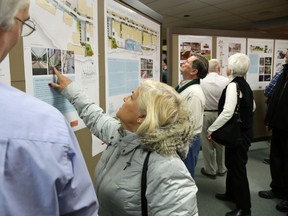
x: 221, y: 14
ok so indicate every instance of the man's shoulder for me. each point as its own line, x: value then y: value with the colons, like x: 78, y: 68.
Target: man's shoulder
x: 222, y: 78
x: 194, y: 92
x: 192, y: 89
x: 32, y: 117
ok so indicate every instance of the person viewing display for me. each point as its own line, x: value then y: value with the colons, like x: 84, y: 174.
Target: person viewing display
x: 192, y: 70
x: 236, y: 157
x: 276, y: 119
x: 152, y: 119
x: 213, y: 153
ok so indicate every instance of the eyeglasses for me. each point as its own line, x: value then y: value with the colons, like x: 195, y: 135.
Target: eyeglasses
x: 28, y: 27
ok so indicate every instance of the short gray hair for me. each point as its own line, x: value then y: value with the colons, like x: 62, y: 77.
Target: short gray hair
x: 9, y: 9
x: 238, y: 64
x: 214, y: 65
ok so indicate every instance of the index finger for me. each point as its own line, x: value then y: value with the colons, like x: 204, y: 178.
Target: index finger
x: 56, y: 72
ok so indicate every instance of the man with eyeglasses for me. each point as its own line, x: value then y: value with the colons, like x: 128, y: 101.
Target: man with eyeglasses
x: 42, y: 170
x: 28, y: 27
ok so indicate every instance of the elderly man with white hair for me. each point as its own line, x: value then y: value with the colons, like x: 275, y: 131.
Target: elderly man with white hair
x: 213, y: 153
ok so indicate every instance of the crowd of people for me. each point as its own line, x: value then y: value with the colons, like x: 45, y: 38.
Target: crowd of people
x: 148, y: 167
x: 152, y: 119
x: 156, y: 120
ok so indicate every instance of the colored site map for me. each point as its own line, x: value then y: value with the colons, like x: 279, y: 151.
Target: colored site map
x: 65, y: 38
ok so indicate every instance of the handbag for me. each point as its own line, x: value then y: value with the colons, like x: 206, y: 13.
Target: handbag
x: 229, y: 134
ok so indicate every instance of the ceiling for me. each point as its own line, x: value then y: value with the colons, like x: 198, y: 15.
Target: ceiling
x: 245, y: 15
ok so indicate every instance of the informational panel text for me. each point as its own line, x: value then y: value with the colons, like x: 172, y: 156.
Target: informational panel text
x: 65, y: 38
x: 132, y: 54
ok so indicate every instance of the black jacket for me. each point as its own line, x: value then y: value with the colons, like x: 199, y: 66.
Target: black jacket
x: 277, y: 113
x: 246, y: 104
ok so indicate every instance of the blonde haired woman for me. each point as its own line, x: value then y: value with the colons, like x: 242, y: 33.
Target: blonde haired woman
x: 152, y: 119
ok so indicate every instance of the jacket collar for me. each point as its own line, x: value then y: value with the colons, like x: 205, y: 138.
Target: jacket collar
x: 127, y: 142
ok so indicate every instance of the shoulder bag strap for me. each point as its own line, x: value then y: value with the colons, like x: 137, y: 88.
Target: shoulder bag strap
x: 144, y: 185
x: 236, y: 112
x: 238, y: 98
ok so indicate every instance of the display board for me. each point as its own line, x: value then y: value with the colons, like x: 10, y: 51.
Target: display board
x: 133, y: 52
x: 194, y: 44
x: 5, y: 71
x: 65, y: 38
x: 227, y: 46
x: 281, y: 47
x: 260, y: 52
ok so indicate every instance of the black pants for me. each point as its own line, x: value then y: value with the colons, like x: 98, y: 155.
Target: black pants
x: 279, y: 162
x: 237, y: 185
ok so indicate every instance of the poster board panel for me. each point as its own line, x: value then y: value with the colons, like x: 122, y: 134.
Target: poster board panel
x: 281, y: 47
x: 65, y: 38
x: 133, y: 52
x: 260, y: 52
x: 189, y: 44
x: 227, y: 46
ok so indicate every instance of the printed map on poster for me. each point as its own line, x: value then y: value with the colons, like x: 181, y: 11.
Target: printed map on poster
x: 65, y: 38
x: 132, y: 52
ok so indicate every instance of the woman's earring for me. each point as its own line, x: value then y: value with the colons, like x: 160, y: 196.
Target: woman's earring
x: 139, y: 121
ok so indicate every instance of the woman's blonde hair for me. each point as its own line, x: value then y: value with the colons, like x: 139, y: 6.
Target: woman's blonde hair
x: 167, y: 127
x: 160, y: 104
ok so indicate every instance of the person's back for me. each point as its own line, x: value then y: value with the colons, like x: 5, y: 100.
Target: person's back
x: 42, y: 169
x: 213, y: 155
x: 212, y: 86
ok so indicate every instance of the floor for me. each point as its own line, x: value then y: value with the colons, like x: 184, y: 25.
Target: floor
x: 259, y: 179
